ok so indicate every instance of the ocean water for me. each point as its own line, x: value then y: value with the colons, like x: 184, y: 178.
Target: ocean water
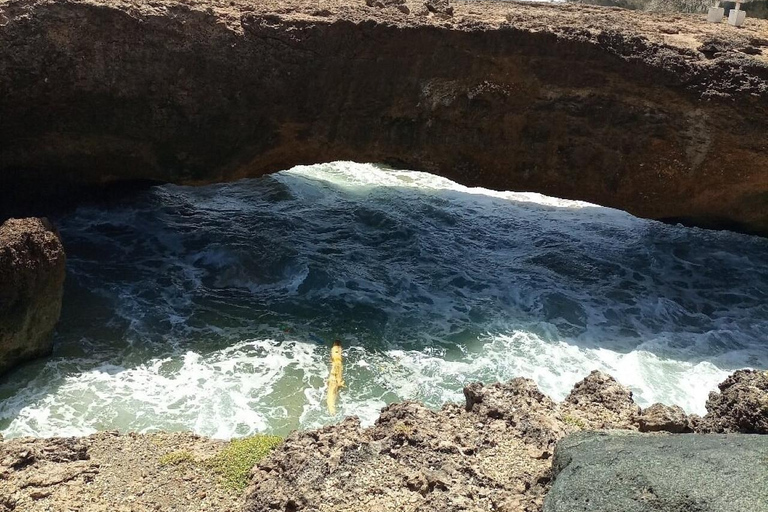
x: 213, y: 309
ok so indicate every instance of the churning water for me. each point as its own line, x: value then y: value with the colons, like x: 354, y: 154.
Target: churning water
x: 213, y: 308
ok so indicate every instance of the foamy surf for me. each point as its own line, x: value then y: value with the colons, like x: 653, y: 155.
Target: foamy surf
x: 212, y: 309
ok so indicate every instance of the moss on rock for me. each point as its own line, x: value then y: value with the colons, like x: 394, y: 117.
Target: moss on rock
x: 235, y: 461
x: 176, y: 458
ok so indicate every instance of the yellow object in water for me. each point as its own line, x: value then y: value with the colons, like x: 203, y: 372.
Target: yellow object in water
x: 335, y: 379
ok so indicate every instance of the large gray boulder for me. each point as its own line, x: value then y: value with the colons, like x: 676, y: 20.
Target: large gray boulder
x: 632, y: 472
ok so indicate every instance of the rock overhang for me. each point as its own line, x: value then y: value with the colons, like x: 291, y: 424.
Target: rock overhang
x: 667, y: 120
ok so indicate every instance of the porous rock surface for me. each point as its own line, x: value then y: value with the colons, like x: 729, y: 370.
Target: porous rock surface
x: 664, y: 116
x: 740, y: 406
x: 664, y: 418
x: 603, y: 400
x: 32, y: 269
x: 493, y: 453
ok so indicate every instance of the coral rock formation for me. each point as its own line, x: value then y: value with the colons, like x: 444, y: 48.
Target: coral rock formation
x: 740, y: 406
x: 492, y: 454
x: 666, y: 418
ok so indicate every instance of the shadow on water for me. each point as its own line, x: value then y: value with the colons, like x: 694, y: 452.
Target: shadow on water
x: 388, y: 262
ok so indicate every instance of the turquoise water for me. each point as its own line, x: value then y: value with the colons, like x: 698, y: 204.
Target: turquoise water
x: 213, y: 308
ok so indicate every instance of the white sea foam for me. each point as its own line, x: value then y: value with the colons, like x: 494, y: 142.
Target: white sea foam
x: 212, y: 308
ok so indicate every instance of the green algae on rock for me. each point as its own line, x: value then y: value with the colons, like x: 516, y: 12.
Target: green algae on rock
x: 235, y: 461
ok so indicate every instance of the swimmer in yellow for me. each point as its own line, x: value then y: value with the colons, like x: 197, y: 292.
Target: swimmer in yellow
x: 335, y: 379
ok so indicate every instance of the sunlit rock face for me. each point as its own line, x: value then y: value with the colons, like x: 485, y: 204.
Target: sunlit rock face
x: 666, y: 122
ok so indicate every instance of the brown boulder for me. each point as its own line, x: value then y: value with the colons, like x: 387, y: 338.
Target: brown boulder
x: 531, y: 413
x: 32, y: 272
x: 741, y: 405
x: 602, y: 402
x: 439, y: 7
x: 663, y: 418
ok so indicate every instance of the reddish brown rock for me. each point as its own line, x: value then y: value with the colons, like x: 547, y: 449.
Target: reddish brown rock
x: 740, y: 406
x: 520, y: 404
x: 32, y: 272
x: 603, y: 402
x: 664, y: 418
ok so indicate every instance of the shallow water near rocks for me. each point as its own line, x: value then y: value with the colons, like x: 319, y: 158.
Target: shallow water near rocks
x: 213, y: 308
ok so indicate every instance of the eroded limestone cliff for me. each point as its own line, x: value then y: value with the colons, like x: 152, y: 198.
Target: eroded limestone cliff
x: 666, y: 117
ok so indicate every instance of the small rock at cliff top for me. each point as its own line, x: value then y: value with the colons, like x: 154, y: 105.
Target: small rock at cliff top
x: 422, y: 8
x: 520, y: 404
x: 663, y: 418
x: 741, y: 405
x: 32, y: 268
x: 602, y: 401
x: 630, y: 472
x: 439, y: 7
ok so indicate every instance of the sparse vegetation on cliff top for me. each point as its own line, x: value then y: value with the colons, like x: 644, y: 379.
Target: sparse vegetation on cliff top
x: 235, y: 461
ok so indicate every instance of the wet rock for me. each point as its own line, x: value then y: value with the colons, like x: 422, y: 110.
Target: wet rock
x: 664, y: 418
x: 601, y: 401
x: 632, y: 472
x: 741, y: 405
x: 32, y: 272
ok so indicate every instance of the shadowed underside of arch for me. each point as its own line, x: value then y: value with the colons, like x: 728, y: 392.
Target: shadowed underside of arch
x: 573, y: 101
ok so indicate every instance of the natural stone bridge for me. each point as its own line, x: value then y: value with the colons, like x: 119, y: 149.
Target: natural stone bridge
x: 664, y: 119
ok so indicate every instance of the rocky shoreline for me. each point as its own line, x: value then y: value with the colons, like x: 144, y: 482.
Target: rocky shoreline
x: 660, y: 115
x: 495, y: 452
x: 665, y: 117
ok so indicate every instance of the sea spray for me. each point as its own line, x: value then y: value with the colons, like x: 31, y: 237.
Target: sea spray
x: 201, y: 308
